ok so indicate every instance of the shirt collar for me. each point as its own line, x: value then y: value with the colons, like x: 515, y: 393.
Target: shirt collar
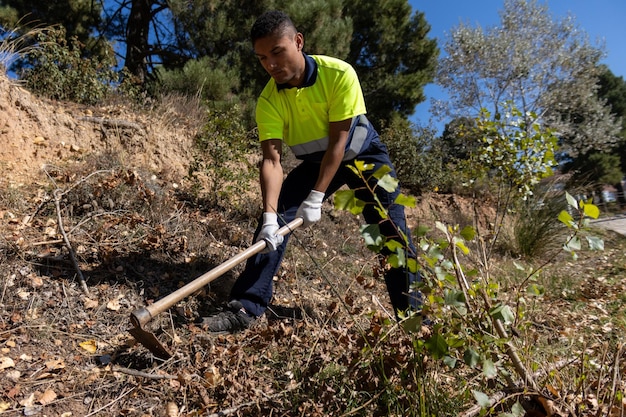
x: 310, y: 74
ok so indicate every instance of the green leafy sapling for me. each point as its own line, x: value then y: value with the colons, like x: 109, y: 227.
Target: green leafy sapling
x: 374, y: 239
x: 478, y: 321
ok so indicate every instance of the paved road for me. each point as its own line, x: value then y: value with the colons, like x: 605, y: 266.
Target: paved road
x: 616, y: 223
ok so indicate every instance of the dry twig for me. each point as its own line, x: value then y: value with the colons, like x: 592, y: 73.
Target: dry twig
x: 58, y: 195
x: 141, y: 374
x: 616, y: 378
x: 122, y: 395
x: 57, y: 203
x: 236, y: 408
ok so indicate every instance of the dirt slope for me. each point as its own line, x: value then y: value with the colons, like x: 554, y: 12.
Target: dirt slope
x: 35, y: 132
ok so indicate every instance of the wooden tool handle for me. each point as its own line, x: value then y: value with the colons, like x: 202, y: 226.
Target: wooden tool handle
x: 143, y: 315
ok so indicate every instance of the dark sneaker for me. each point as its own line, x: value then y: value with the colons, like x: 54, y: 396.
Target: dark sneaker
x: 233, y: 319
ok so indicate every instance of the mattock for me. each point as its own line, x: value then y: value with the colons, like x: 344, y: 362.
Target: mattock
x: 142, y: 316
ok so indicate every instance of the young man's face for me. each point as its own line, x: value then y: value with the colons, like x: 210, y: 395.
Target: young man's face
x: 281, y: 56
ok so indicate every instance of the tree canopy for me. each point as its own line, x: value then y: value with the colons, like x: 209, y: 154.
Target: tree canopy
x: 541, y: 65
x: 204, y: 45
x: 392, y: 55
x: 79, y: 18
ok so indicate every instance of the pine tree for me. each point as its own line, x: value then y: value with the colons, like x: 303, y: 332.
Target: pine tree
x: 392, y: 54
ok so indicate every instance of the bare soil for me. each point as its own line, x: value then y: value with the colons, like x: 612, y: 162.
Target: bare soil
x: 95, y: 223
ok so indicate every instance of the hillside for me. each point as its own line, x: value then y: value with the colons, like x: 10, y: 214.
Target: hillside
x: 41, y: 132
x: 102, y: 194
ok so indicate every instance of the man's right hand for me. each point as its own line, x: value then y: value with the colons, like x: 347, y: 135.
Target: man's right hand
x: 268, y: 233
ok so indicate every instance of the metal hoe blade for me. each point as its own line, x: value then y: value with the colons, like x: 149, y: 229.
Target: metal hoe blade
x: 151, y: 342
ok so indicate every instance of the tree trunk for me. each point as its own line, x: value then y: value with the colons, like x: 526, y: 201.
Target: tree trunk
x: 137, y: 45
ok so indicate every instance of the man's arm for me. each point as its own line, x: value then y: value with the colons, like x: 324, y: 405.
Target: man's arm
x: 311, y: 209
x: 338, y: 137
x: 271, y: 174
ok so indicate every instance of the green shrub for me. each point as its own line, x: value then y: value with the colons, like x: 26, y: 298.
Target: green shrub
x: 60, y: 71
x: 221, y: 170
x: 419, y: 166
x: 207, y: 78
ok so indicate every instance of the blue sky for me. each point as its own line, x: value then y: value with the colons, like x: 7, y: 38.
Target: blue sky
x: 603, y: 20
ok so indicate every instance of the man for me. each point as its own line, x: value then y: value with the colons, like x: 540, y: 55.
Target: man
x: 314, y: 105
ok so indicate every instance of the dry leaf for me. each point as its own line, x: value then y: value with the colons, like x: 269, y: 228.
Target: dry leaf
x: 33, y: 410
x: 55, y: 364
x: 13, y: 392
x: 171, y: 409
x: 4, y: 406
x: 550, y: 407
x: 592, y: 401
x: 47, y: 397
x: 89, y: 303
x: 28, y: 401
x: 16, y: 318
x: 114, y: 305
x: 174, y: 384
x: 13, y: 375
x: 6, y: 362
x: 212, y: 376
x: 36, y: 281
x: 89, y: 345
x: 553, y: 391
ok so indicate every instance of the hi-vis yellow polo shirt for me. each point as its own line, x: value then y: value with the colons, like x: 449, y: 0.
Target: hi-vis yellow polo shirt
x: 331, y: 92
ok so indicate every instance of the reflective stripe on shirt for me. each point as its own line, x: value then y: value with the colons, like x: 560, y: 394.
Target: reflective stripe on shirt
x: 359, y: 131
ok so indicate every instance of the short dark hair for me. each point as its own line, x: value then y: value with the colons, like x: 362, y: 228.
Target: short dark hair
x: 270, y: 23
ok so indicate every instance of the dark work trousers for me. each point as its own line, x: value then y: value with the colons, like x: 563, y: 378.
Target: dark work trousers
x: 254, y: 287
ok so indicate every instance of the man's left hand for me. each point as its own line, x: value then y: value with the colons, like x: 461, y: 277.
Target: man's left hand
x: 311, y: 209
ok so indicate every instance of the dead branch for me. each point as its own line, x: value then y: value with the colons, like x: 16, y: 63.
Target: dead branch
x: 111, y: 123
x: 46, y: 242
x: 57, y: 202
x: 141, y: 374
x: 84, y: 179
x: 58, y: 194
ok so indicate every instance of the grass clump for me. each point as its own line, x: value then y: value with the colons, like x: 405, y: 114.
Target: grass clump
x: 536, y: 228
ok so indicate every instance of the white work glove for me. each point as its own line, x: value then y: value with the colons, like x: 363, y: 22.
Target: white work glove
x: 268, y: 233
x: 311, y: 209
